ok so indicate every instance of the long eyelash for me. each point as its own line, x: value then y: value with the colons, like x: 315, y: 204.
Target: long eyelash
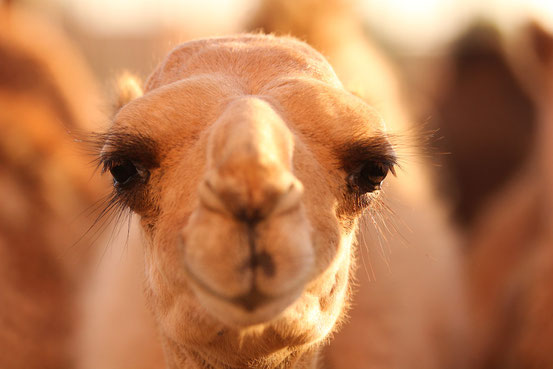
x: 109, y: 211
x: 105, y: 164
x: 91, y: 145
x: 418, y: 144
x: 116, y: 217
x: 110, y: 148
x: 362, y: 149
x: 381, y: 221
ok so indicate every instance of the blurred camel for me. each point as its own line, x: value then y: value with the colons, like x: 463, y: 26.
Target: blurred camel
x: 511, y: 259
x: 45, y: 92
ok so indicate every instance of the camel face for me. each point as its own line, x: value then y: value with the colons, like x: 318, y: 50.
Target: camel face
x: 249, y: 165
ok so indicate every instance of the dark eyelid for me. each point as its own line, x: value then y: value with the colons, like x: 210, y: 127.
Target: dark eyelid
x: 377, y: 148
x: 141, y: 150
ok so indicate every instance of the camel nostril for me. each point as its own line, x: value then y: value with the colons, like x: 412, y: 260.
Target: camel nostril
x: 250, y: 216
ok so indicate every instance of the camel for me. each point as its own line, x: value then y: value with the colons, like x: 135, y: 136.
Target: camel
x: 44, y: 185
x: 510, y: 266
x: 236, y: 274
x: 249, y: 200
x: 469, y: 122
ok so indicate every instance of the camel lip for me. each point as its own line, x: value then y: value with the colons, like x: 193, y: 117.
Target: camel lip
x: 248, y: 309
x: 249, y: 301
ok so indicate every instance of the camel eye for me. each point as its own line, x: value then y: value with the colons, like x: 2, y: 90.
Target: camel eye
x: 369, y: 176
x: 123, y: 173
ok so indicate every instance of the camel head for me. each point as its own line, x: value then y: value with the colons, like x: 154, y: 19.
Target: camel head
x: 249, y: 165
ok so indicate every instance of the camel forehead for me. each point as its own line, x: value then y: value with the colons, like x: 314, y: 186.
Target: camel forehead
x: 193, y: 86
x: 192, y: 104
x: 256, y: 59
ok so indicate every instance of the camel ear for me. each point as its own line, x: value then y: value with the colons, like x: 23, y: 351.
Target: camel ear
x: 128, y: 88
x: 541, y: 43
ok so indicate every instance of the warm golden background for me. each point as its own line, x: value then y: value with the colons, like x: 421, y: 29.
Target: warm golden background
x: 478, y: 74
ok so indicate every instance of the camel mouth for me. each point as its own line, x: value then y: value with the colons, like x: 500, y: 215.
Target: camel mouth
x: 245, y: 272
x: 249, y: 301
x: 250, y: 308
